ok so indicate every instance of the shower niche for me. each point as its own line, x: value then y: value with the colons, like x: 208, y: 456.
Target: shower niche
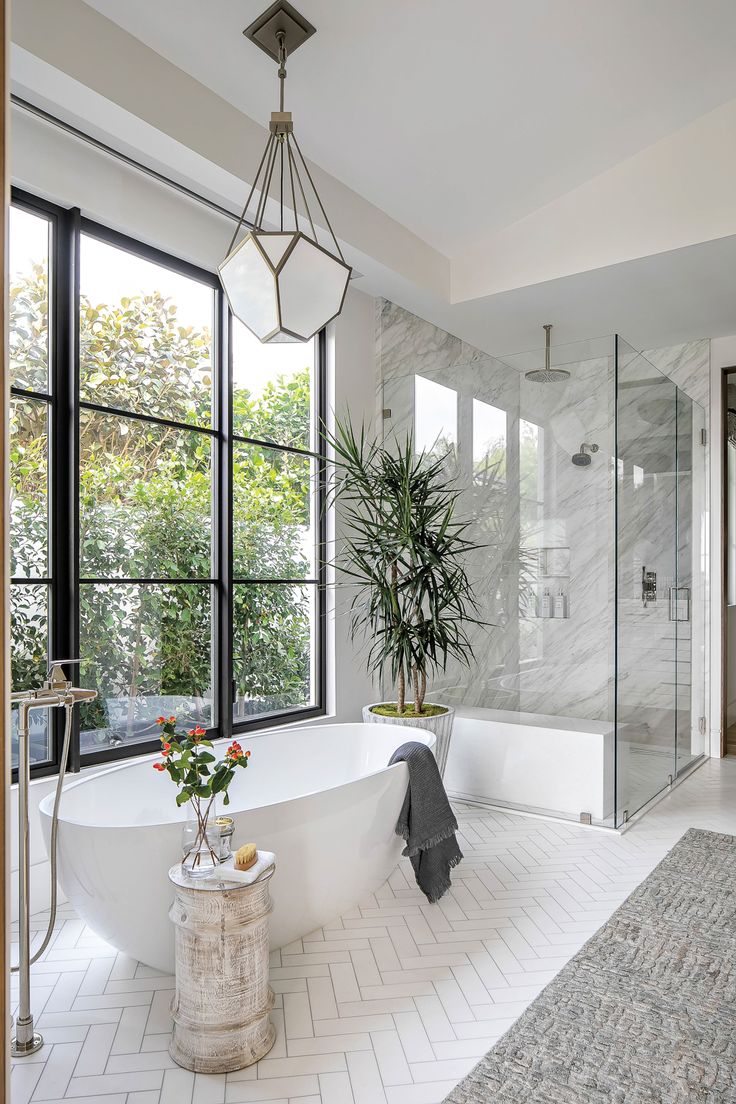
x: 552, y: 583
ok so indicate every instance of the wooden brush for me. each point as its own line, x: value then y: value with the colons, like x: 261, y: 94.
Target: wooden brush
x: 246, y: 856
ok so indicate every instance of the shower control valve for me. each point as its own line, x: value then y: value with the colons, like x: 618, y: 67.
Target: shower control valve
x: 648, y: 586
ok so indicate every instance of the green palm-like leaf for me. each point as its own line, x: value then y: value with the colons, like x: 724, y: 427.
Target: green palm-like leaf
x: 405, y: 553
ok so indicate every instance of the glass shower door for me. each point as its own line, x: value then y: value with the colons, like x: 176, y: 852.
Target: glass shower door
x: 661, y: 548
x: 687, y: 600
x: 646, y: 578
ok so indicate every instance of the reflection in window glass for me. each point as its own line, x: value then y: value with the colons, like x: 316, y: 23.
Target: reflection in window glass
x: 273, y: 648
x: 489, y: 442
x: 272, y: 390
x: 28, y: 263
x: 145, y: 336
x: 144, y: 499
x: 273, y: 527
x: 435, y: 416
x: 29, y: 492
x: 531, y: 475
x: 146, y: 650
x: 29, y: 627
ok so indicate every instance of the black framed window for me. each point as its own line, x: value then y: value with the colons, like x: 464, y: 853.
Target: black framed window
x: 168, y: 485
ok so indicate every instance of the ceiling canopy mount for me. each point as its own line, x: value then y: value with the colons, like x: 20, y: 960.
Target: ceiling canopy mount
x: 281, y: 19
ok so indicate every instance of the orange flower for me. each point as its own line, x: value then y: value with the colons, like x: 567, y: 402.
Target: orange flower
x: 198, y: 731
x: 172, y: 720
x: 160, y: 720
x: 159, y: 766
x: 166, y: 749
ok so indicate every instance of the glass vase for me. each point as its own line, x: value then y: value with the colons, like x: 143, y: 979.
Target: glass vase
x: 200, y: 840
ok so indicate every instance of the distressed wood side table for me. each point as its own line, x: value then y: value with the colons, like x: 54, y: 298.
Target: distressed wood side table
x: 222, y: 999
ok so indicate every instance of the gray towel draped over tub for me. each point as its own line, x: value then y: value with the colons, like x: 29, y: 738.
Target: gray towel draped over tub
x: 426, y: 821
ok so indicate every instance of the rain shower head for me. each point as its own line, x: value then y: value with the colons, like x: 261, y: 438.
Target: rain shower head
x: 547, y: 374
x: 582, y: 459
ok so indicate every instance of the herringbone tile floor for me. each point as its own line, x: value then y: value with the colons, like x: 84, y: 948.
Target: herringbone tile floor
x: 394, y: 1001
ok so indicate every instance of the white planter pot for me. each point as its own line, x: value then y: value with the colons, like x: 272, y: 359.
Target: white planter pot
x: 440, y: 725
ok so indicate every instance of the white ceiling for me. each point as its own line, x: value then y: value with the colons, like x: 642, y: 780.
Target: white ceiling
x: 459, y: 118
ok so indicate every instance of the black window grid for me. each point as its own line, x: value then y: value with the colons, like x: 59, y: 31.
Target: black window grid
x: 65, y: 405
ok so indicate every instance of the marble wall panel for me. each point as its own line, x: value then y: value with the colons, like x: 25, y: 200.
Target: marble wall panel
x: 563, y: 667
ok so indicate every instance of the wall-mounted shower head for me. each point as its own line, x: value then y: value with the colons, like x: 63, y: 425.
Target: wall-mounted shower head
x: 582, y: 459
x: 547, y: 374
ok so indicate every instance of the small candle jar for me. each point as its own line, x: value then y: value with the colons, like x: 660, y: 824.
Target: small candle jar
x: 225, y: 826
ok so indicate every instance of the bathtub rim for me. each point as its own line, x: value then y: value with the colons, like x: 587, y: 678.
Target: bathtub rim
x: 45, y: 805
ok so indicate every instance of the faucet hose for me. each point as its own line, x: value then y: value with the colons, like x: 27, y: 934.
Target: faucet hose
x: 68, y: 708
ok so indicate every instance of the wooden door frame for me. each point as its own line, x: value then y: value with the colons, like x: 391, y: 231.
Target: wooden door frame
x: 5, y: 562
x: 723, y: 445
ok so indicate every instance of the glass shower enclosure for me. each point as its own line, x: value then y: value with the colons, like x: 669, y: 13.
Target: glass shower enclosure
x: 660, y: 578
x: 588, y: 500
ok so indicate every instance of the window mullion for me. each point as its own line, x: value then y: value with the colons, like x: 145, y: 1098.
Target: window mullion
x: 223, y: 500
x: 64, y: 461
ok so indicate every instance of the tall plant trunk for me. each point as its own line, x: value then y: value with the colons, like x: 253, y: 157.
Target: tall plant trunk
x: 422, y: 690
x: 417, y: 692
x: 401, y: 682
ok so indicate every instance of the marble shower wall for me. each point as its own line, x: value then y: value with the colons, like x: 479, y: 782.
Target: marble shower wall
x: 545, y: 523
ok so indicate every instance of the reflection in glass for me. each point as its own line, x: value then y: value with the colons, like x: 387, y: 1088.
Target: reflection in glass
x: 489, y: 439
x: 272, y: 390
x: 29, y: 634
x: 144, y: 499
x: 28, y: 266
x: 273, y: 527
x: 145, y: 336
x: 273, y: 648
x: 147, y: 650
x: 531, y: 476
x: 29, y: 490
x: 435, y: 416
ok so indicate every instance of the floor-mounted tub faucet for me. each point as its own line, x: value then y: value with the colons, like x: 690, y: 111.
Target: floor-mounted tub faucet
x: 56, y: 692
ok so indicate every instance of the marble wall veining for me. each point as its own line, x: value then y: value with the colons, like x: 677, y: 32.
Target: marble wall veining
x: 544, y: 523
x: 547, y: 524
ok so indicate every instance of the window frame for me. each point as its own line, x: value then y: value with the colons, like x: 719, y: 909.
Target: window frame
x: 65, y: 407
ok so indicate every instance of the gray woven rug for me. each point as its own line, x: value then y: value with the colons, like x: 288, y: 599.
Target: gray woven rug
x: 646, y: 1011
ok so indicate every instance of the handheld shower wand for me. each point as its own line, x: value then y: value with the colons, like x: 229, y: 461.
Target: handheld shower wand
x: 56, y: 692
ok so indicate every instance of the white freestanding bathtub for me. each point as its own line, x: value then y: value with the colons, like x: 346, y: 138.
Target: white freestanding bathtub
x: 322, y: 798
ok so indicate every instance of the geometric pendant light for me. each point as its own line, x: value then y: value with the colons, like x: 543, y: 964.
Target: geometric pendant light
x: 283, y: 283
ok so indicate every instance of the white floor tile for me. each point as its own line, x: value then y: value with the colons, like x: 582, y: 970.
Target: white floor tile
x: 390, y: 1004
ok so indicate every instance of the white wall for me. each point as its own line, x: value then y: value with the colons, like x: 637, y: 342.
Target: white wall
x: 722, y: 355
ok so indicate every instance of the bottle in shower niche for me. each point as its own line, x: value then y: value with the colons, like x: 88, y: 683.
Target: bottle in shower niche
x: 560, y: 606
x: 545, y: 604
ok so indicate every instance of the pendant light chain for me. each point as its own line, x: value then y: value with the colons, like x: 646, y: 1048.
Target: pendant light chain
x: 282, y: 138
x: 281, y: 38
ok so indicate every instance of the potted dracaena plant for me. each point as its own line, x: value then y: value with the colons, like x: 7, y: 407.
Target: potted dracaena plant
x: 404, y: 552
x: 189, y: 762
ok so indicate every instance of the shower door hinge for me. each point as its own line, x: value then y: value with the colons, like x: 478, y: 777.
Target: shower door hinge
x: 701, y: 725
x: 586, y: 818
x: 386, y: 412
x: 704, y: 436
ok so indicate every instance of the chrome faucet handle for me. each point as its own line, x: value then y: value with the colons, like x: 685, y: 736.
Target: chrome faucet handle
x: 55, y: 677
